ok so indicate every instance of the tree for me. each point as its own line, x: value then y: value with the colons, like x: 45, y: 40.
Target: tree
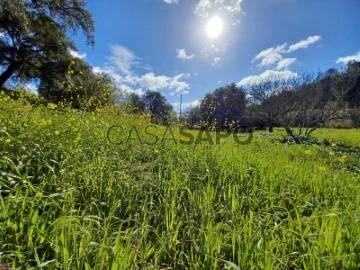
x: 78, y: 86
x: 96, y: 91
x: 300, y: 104
x: 60, y: 79
x: 271, y: 99
x: 351, y: 78
x: 35, y: 34
x: 135, y: 103
x: 193, y: 115
x: 156, y: 104
x: 224, y: 106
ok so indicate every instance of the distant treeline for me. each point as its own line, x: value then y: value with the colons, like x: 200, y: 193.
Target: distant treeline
x: 307, y: 100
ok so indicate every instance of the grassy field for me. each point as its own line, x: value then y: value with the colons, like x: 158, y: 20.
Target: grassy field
x: 70, y: 199
x: 350, y: 136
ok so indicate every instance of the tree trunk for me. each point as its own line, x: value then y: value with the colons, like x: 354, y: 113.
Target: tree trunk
x: 7, y: 74
x: 292, y: 135
x: 271, y: 128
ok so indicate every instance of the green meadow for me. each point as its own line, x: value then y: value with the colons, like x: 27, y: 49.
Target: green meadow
x: 71, y: 199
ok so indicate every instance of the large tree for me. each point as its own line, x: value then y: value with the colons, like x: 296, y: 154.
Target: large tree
x: 158, y: 107
x: 224, y: 106
x: 351, y: 78
x: 35, y: 35
x: 135, y: 103
x: 270, y: 100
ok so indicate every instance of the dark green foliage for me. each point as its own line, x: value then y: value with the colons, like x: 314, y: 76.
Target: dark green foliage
x: 75, y: 84
x: 352, y: 77
x: 221, y: 108
x: 156, y: 104
x: 35, y: 35
x: 193, y: 116
x: 59, y: 78
x: 135, y: 103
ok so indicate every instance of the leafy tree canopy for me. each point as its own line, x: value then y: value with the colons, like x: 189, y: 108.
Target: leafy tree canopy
x: 222, y: 108
x: 158, y: 107
x: 35, y: 35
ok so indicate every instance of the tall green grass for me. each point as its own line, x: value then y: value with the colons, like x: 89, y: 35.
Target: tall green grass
x: 69, y: 199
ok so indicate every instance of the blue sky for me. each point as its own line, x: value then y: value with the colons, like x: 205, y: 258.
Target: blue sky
x: 164, y: 45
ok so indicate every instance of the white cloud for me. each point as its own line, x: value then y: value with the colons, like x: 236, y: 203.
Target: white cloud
x: 204, y: 6
x: 303, y: 44
x: 216, y: 61
x: 147, y: 81
x: 97, y: 70
x: 181, y: 53
x: 233, y: 6
x: 268, y: 75
x: 285, y: 63
x: 269, y: 51
x: 186, y: 105
x: 270, y: 56
x: 120, y: 65
x: 270, y: 59
x: 274, y: 55
x: 110, y: 71
x: 235, y: 23
x: 346, y: 59
x: 187, y: 76
x: 77, y: 54
x: 212, y: 49
x: 194, y: 103
x: 155, y: 83
x: 122, y: 59
x: 171, y: 1
x: 129, y: 90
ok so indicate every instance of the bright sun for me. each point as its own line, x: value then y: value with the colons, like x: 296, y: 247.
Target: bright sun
x: 214, y: 27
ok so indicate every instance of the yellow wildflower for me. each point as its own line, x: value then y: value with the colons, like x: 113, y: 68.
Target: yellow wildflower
x: 51, y: 106
x: 323, y: 168
x: 39, y: 194
x: 308, y: 152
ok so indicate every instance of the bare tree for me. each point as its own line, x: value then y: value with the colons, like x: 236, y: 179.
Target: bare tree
x: 271, y: 99
x: 300, y: 104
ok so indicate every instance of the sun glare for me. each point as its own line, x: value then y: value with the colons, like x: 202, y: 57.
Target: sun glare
x: 214, y: 27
